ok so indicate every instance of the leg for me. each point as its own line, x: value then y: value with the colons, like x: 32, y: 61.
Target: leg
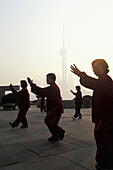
x: 52, y: 120
x: 104, y: 140
x: 24, y: 122
x: 21, y: 118
x: 76, y: 111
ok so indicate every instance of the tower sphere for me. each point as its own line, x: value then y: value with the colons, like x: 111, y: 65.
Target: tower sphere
x: 63, y: 52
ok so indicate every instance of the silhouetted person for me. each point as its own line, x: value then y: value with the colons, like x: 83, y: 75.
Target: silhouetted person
x: 24, y: 105
x: 43, y: 109
x: 78, y: 102
x: 42, y: 103
x: 54, y: 106
x: 102, y: 110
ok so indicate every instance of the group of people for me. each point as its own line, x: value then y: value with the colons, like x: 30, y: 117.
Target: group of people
x: 102, y: 108
x: 54, y: 105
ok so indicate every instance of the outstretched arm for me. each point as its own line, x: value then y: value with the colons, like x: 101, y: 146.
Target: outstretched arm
x: 85, y: 80
x: 75, y: 70
x: 14, y: 91
x: 72, y: 92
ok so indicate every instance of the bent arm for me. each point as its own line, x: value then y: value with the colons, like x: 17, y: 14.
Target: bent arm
x: 15, y: 92
x: 36, y: 90
x: 42, y: 92
x: 89, y: 82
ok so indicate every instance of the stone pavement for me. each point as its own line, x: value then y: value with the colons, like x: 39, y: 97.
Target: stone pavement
x: 29, y: 149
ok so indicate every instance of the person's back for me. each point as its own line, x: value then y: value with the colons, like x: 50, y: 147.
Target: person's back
x: 78, y: 98
x: 24, y: 98
x: 53, y: 97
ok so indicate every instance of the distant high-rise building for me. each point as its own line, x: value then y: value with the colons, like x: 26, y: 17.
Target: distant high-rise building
x: 63, y: 53
x: 64, y: 84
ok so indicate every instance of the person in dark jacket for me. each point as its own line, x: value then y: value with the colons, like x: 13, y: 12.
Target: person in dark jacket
x: 24, y: 105
x: 54, y: 106
x: 78, y: 102
x: 102, y: 110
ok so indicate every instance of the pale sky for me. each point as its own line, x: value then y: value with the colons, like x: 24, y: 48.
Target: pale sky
x: 31, y: 33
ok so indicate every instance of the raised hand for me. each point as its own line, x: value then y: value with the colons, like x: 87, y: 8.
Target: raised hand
x: 29, y: 80
x: 75, y: 70
x: 11, y: 85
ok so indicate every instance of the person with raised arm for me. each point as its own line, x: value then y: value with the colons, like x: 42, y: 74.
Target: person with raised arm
x: 78, y: 102
x: 55, y: 106
x: 24, y: 105
x: 102, y: 110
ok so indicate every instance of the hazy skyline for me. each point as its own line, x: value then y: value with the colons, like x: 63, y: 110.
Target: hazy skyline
x: 31, y: 33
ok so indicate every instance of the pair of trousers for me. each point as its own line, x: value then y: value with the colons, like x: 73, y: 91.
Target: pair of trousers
x: 21, y: 118
x: 77, y: 110
x: 103, y: 133
x: 52, y: 120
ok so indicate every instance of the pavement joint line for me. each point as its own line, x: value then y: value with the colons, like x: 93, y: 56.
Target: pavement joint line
x: 34, y: 152
x: 10, y: 164
x: 75, y: 163
x: 49, y: 155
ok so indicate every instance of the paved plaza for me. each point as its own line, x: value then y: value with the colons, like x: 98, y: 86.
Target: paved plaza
x: 29, y: 149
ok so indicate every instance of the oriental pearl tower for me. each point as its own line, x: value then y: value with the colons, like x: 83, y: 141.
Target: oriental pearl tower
x: 63, y: 53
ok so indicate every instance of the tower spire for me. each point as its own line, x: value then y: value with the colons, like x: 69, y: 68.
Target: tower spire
x: 63, y: 53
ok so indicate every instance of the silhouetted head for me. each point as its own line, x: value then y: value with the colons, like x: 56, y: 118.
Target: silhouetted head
x: 100, y: 67
x: 23, y: 83
x: 51, y: 78
x: 78, y: 88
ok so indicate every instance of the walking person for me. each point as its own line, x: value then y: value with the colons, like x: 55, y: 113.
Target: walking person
x: 102, y: 110
x: 78, y: 102
x: 54, y: 105
x: 24, y: 105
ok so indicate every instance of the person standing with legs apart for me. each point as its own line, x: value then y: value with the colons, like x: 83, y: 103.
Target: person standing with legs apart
x: 54, y: 106
x: 24, y: 105
x: 78, y: 102
x: 102, y: 110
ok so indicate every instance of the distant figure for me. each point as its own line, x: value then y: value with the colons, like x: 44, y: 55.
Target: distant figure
x: 54, y: 106
x: 42, y: 103
x: 78, y: 102
x: 24, y: 105
x: 102, y: 110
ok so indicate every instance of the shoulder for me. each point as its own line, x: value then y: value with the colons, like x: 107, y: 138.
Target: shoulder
x: 106, y: 78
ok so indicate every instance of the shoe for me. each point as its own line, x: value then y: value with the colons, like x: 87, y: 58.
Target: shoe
x: 53, y: 138
x: 11, y: 124
x: 23, y: 126
x: 99, y: 167
x: 62, y: 134
x: 73, y: 117
x: 79, y: 117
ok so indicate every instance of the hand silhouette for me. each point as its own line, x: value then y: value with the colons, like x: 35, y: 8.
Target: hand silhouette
x: 29, y: 80
x: 75, y: 70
